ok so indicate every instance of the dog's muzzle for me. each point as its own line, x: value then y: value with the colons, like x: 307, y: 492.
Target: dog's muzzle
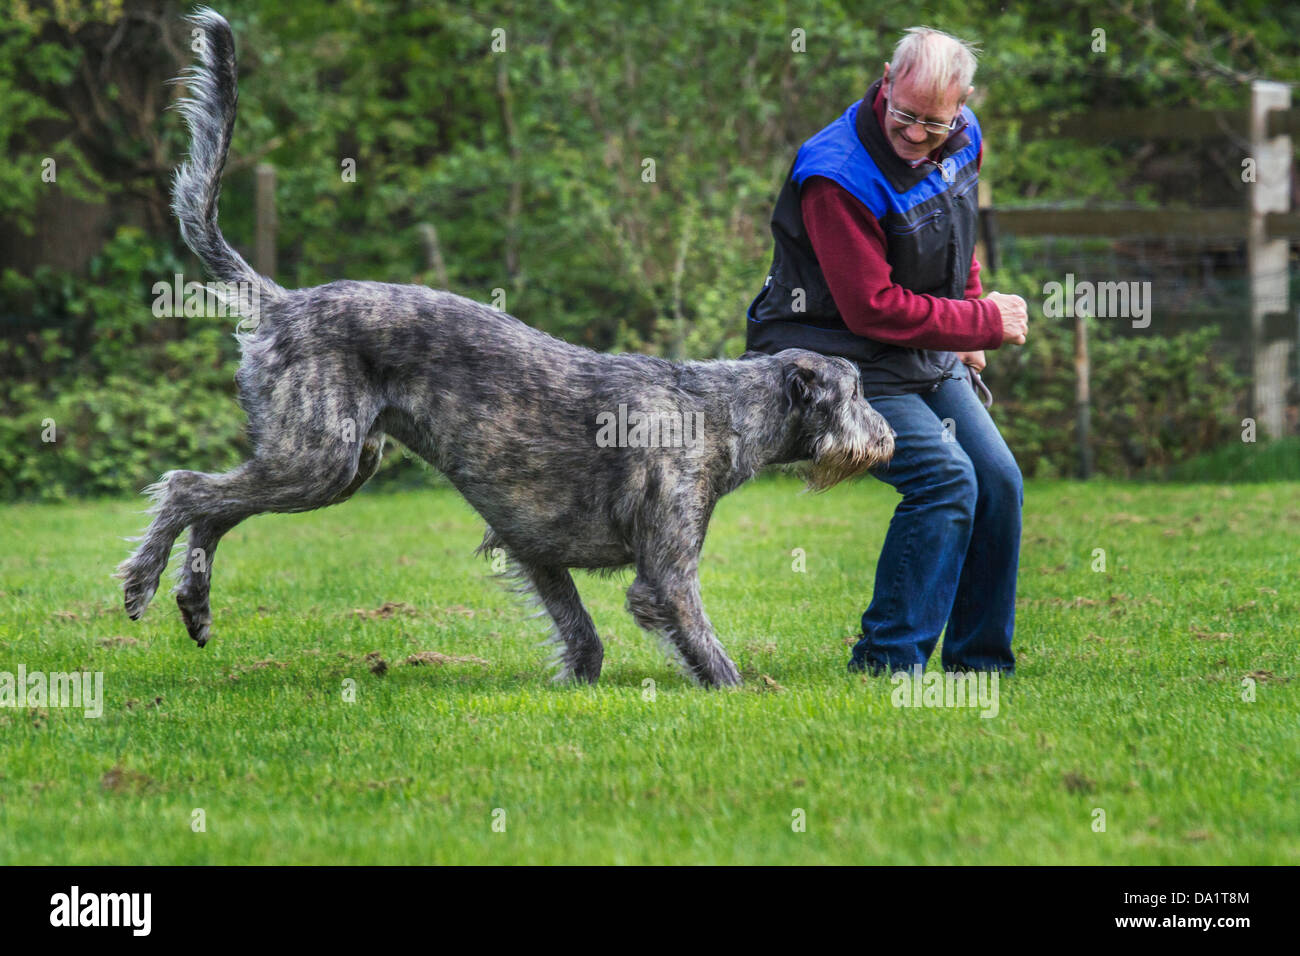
x: 860, y: 440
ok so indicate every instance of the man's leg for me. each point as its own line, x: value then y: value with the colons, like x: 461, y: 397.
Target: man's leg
x: 921, y: 562
x: 984, y: 609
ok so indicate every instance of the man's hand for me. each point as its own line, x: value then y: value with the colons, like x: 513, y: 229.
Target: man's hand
x: 1015, y: 317
x: 974, y: 359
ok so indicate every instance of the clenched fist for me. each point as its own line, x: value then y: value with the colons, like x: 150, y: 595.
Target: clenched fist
x: 1015, y: 317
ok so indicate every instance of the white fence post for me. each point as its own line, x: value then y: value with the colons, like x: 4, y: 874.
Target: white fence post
x: 1267, y: 259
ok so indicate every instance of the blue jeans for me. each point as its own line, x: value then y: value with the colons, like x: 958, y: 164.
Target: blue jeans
x: 953, y: 547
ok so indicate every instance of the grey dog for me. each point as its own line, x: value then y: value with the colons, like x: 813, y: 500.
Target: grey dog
x: 518, y: 421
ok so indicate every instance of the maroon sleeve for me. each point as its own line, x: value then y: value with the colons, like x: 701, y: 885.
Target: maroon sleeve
x: 974, y: 288
x: 850, y: 247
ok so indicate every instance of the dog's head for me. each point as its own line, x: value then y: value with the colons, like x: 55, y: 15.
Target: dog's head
x: 832, y: 425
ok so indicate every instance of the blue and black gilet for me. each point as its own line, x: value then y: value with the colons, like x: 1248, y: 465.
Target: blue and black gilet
x: 928, y: 214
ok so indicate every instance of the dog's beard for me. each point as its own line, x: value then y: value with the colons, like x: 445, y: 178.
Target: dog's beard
x: 835, y: 460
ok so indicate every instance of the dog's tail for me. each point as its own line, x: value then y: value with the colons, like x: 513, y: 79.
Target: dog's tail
x: 209, y: 113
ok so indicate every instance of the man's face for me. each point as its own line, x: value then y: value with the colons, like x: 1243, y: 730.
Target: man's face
x: 915, y: 142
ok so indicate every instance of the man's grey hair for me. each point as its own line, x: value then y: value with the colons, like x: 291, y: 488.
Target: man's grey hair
x: 934, y: 60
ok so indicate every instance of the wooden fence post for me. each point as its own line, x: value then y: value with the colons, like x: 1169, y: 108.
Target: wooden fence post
x: 1082, y: 394
x: 433, y: 261
x: 264, y: 240
x: 1267, y: 259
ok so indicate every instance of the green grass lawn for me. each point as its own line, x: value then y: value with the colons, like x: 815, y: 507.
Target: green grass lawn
x: 1128, y: 696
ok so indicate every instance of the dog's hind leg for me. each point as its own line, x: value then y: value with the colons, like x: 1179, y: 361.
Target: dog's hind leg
x: 581, y: 653
x: 372, y: 454
x: 195, y: 580
x: 172, y: 511
x: 301, y: 480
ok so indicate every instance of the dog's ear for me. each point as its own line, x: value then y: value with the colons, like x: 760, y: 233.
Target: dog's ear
x: 799, y: 380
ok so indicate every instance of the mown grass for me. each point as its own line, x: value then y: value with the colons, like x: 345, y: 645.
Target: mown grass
x: 1128, y: 696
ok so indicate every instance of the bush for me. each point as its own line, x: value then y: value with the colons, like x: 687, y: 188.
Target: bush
x: 125, y: 395
x: 1155, y: 401
x: 100, y: 396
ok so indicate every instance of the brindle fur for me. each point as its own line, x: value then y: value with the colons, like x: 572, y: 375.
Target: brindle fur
x: 507, y: 413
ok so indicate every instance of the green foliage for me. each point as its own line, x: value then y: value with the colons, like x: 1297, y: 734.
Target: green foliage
x: 611, y: 171
x: 100, y: 430
x: 1277, y: 460
x: 1161, y: 400
x: 28, y: 69
x: 100, y: 396
x: 1155, y: 400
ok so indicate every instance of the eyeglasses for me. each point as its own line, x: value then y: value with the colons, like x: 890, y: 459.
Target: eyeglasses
x: 907, y: 119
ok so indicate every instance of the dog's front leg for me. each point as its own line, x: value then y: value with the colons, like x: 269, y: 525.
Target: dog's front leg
x: 666, y: 601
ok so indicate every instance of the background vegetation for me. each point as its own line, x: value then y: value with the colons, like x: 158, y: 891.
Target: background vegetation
x: 530, y: 165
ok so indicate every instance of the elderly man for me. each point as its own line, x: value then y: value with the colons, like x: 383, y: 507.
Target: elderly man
x: 874, y: 261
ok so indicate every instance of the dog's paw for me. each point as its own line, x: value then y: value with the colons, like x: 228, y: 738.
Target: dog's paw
x: 585, y: 670
x: 198, y: 621
x: 571, y: 675
x: 722, y: 674
x: 136, y: 596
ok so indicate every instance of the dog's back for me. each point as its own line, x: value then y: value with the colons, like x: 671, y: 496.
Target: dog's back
x: 575, y: 459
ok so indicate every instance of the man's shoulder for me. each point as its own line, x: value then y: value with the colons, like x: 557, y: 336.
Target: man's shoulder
x: 837, y: 154
x: 835, y: 141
